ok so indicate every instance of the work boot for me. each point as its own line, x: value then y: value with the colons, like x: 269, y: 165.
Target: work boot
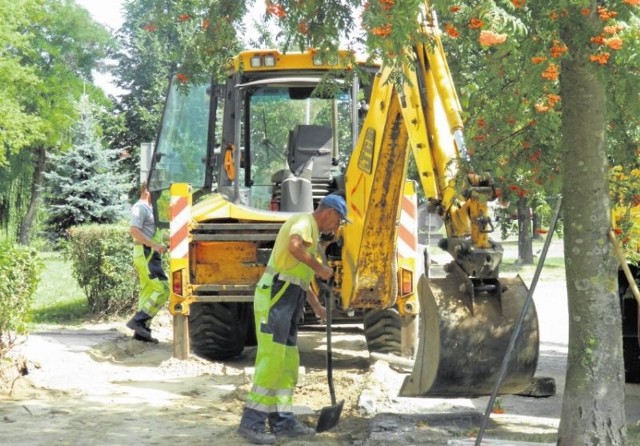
x: 295, y: 429
x: 256, y: 436
x: 151, y: 339
x: 138, y: 324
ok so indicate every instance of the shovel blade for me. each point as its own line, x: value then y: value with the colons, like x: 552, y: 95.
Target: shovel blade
x: 329, y: 417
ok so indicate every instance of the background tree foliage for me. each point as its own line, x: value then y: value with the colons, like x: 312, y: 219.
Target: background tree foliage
x: 513, y: 79
x: 45, y: 64
x: 192, y: 39
x: 18, y: 127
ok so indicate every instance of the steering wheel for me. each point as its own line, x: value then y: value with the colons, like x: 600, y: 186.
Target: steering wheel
x: 229, y: 163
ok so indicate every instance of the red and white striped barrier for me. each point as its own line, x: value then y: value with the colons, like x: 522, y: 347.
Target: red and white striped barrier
x: 408, y: 230
x: 179, y: 222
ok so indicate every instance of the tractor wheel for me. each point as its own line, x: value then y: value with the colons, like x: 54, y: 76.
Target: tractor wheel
x: 251, y: 340
x: 382, y: 329
x: 218, y: 331
x: 631, y: 351
x: 629, y: 307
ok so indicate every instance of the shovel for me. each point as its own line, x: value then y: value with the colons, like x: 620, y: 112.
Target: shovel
x: 329, y: 415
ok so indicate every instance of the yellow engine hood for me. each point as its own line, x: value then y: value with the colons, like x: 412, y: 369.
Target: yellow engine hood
x: 216, y: 207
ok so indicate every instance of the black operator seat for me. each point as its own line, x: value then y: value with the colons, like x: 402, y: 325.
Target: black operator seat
x: 308, y: 142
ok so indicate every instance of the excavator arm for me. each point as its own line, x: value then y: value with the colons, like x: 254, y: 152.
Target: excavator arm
x: 460, y: 198
x: 374, y: 184
x: 466, y: 318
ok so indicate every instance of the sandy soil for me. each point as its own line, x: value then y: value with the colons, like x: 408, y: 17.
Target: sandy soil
x: 94, y: 385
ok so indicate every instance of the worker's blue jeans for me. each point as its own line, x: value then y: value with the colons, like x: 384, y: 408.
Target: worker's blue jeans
x: 255, y: 420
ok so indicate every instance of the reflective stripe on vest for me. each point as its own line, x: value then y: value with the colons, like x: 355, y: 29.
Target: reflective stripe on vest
x: 304, y: 284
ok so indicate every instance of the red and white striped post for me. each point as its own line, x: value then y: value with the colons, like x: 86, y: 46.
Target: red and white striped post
x: 179, y: 221
x: 407, y: 246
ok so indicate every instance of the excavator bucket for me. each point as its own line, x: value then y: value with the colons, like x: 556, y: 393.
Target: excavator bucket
x: 464, y: 337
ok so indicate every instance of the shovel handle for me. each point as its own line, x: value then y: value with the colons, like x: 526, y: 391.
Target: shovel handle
x: 327, y: 304
x: 328, y: 292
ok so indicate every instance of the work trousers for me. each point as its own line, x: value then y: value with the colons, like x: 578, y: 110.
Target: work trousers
x: 154, y: 285
x: 278, y: 307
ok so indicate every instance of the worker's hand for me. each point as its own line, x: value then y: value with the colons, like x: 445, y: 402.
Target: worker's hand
x: 324, y: 272
x: 321, y: 313
x: 161, y: 249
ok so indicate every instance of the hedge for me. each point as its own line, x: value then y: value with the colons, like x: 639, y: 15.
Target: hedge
x: 101, y: 258
x: 20, y: 270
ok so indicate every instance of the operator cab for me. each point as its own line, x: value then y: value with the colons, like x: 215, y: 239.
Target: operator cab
x: 294, y: 142
x: 268, y: 140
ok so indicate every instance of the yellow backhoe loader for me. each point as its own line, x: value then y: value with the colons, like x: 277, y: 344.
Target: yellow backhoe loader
x: 232, y: 161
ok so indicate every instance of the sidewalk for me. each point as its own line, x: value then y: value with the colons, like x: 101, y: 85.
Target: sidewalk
x: 533, y: 419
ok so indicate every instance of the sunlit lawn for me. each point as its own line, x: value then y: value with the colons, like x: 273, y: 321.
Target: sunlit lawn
x: 58, y: 298
x: 552, y: 268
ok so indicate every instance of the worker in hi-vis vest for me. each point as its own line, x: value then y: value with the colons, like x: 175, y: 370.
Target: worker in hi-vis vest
x: 147, y: 248
x: 278, y: 306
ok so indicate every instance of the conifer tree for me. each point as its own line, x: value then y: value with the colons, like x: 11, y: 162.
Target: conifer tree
x: 83, y: 185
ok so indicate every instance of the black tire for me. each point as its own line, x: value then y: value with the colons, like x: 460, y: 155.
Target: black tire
x: 382, y: 329
x: 251, y: 340
x: 631, y: 350
x: 218, y: 331
x: 427, y: 263
x: 630, y: 346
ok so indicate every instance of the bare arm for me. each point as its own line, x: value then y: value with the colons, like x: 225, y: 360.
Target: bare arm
x: 139, y: 237
x: 318, y: 308
x: 298, y: 249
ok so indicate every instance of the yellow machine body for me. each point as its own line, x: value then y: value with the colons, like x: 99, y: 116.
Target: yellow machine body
x: 466, y: 318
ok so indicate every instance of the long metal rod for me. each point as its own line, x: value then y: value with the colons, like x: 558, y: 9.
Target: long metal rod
x: 518, y: 326
x: 624, y: 266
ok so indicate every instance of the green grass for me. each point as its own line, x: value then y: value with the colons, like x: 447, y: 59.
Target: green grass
x: 58, y: 298
x: 552, y: 270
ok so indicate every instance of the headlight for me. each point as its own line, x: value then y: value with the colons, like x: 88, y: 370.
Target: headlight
x: 256, y: 62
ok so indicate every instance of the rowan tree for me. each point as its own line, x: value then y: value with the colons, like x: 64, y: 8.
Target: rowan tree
x: 46, y: 62
x: 191, y: 39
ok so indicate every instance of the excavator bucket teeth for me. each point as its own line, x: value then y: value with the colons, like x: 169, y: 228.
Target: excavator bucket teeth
x: 463, y: 340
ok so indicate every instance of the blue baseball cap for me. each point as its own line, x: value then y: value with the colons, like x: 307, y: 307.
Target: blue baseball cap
x: 337, y: 203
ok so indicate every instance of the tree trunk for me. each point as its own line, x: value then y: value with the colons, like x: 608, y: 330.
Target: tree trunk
x: 40, y: 156
x: 535, y: 221
x: 593, y: 404
x: 525, y: 246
